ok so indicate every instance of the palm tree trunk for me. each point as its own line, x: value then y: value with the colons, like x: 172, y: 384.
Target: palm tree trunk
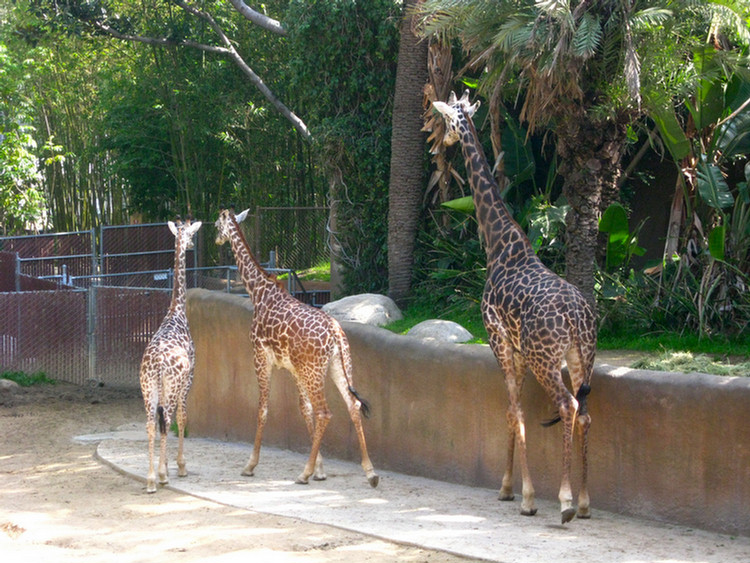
x: 590, y: 157
x: 407, y: 158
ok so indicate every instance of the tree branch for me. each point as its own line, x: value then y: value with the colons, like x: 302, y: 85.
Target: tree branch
x: 257, y: 18
x: 227, y: 50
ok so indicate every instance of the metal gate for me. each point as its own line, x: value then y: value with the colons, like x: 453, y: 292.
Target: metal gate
x: 92, y: 336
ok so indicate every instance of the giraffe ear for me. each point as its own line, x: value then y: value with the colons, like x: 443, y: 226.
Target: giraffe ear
x: 172, y: 227
x: 194, y: 227
x: 471, y: 109
x: 241, y: 216
x: 445, y: 110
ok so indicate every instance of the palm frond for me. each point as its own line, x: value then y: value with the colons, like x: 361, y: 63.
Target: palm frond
x: 649, y: 18
x: 587, y: 36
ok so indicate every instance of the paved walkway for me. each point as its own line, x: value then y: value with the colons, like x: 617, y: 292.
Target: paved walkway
x: 432, y: 514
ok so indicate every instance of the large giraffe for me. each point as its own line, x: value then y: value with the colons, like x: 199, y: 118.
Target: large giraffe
x: 167, y: 365
x: 308, y: 342
x: 534, y: 319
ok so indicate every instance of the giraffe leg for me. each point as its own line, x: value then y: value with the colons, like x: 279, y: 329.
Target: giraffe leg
x: 568, y: 411
x: 163, y: 471
x: 528, y: 507
x: 151, y: 478
x: 263, y: 372
x: 579, y: 369
x: 506, y: 491
x: 181, y: 422
x: 306, y: 409
x: 354, y: 407
x: 584, y: 503
x: 322, y: 417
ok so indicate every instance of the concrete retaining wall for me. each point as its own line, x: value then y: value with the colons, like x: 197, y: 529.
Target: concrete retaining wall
x: 673, y: 448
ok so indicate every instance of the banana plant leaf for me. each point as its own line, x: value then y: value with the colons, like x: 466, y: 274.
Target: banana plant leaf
x: 712, y: 187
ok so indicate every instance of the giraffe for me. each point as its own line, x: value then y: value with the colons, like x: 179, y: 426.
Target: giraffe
x: 534, y: 320
x: 167, y: 365
x: 287, y: 333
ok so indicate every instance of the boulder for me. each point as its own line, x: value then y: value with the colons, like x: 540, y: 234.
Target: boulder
x: 8, y: 386
x: 366, y: 308
x: 440, y: 331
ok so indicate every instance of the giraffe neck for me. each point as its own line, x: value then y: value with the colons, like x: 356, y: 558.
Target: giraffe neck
x: 498, y: 229
x: 177, y: 305
x: 251, y: 272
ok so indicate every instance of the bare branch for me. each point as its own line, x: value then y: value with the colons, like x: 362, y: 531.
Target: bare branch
x: 160, y: 41
x: 257, y: 18
x: 227, y: 50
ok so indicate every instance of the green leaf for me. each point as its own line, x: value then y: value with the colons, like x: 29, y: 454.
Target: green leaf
x: 462, y: 204
x: 716, y: 239
x: 671, y: 133
x: 709, y: 100
x: 712, y: 187
x: 614, y: 221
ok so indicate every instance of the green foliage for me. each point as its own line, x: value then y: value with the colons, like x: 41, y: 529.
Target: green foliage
x: 622, y: 245
x: 27, y: 379
x: 342, y: 66
x: 21, y: 198
x: 690, y: 296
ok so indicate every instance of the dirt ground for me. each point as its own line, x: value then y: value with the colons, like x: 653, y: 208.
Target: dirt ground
x: 58, y: 503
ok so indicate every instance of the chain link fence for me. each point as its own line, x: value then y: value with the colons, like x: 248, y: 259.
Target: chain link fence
x: 81, y: 307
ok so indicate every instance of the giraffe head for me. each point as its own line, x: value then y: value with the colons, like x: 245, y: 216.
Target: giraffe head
x: 184, y: 232
x: 453, y: 113
x: 223, y: 230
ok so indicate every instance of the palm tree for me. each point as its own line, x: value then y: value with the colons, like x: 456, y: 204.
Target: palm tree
x: 574, y: 68
x: 407, y: 157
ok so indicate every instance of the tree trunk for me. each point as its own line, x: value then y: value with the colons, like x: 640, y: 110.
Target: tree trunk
x: 590, y: 163
x: 406, y: 184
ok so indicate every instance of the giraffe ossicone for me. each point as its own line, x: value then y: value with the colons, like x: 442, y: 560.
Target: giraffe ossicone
x: 308, y: 342
x: 167, y: 366
x: 534, y: 319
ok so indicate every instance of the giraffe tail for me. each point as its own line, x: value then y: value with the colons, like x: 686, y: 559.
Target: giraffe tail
x: 583, y: 392
x: 162, y: 419
x: 364, y: 406
x: 344, y: 355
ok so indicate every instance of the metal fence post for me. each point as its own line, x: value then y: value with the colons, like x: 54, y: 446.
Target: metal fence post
x: 91, y: 330
x: 18, y: 272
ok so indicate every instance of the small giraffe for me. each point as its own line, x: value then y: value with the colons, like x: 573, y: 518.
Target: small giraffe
x: 167, y: 365
x: 534, y: 319
x: 287, y: 333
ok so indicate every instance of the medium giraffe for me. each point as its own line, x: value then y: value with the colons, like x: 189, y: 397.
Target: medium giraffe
x: 167, y: 365
x: 534, y: 319
x: 287, y: 333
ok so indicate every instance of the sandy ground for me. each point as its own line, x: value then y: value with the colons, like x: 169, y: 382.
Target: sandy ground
x: 58, y: 503
x: 61, y: 500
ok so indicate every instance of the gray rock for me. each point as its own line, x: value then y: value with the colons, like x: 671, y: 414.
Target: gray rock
x: 440, y: 331
x: 366, y: 308
x: 8, y: 386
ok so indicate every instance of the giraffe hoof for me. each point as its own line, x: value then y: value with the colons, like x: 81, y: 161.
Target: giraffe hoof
x: 583, y: 513
x: 373, y: 479
x: 248, y: 473
x: 506, y: 496
x: 301, y: 480
x: 321, y: 477
x: 529, y: 512
x: 568, y: 514
x: 151, y: 487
